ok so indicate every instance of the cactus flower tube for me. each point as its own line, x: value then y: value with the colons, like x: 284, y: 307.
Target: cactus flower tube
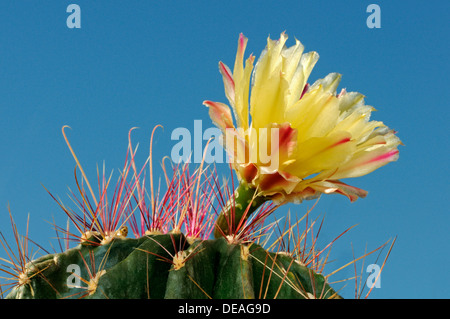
x: 316, y: 136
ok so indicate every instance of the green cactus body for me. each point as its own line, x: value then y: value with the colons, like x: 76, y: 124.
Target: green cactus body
x: 170, y: 266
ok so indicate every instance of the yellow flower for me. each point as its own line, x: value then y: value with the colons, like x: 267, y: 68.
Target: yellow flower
x: 321, y: 136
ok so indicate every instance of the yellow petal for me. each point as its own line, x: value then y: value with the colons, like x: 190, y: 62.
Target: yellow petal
x: 328, y: 83
x: 365, y: 162
x: 268, y: 86
x: 300, y: 77
x: 242, y: 83
x: 291, y: 59
x: 316, y: 114
x: 321, y: 153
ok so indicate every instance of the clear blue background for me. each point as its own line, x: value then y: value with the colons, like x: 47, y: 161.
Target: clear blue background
x: 143, y: 63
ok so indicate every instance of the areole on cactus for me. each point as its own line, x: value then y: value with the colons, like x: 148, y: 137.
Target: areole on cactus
x: 149, y: 243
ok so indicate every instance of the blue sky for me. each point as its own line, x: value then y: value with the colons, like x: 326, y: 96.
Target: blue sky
x: 143, y: 63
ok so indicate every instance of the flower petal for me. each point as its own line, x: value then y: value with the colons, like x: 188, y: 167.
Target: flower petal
x: 321, y: 153
x: 329, y: 83
x: 300, y: 78
x: 248, y: 172
x: 268, y: 85
x: 220, y: 114
x: 241, y: 78
x: 366, y: 162
x: 334, y: 186
x: 275, y: 146
x: 228, y: 83
x: 276, y: 182
x: 314, y: 115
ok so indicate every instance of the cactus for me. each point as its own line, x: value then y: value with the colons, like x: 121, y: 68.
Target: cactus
x: 168, y: 266
x: 169, y: 252
x: 172, y: 255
